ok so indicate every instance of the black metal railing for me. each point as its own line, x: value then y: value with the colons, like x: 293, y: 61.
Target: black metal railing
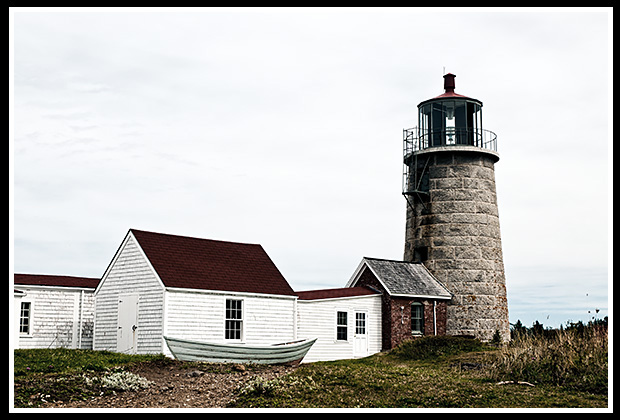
x: 415, y: 140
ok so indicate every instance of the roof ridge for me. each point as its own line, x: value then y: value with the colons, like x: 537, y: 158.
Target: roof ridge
x: 192, y: 237
x: 60, y: 280
x: 396, y: 261
x: 56, y: 275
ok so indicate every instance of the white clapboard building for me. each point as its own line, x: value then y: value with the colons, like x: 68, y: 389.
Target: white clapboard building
x: 53, y: 311
x: 214, y: 291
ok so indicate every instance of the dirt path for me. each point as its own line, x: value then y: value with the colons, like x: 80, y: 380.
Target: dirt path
x: 177, y: 386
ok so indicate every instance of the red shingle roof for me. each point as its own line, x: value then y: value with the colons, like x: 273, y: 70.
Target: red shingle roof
x: 336, y: 293
x: 206, y: 264
x: 49, y: 280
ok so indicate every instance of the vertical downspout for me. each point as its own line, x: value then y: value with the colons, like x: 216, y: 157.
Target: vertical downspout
x: 295, y: 318
x: 79, y: 343
x: 435, y: 316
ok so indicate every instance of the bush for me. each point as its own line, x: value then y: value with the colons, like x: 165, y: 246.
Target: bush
x: 124, y: 381
x: 572, y: 358
x: 436, y: 346
x: 260, y: 386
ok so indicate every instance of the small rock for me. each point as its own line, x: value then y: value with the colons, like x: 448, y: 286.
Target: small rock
x: 194, y: 373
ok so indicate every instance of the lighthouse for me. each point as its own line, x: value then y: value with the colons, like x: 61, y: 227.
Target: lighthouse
x: 452, y: 222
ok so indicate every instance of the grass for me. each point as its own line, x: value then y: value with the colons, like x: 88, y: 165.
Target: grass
x: 63, y: 361
x: 572, y: 359
x: 42, y: 375
x: 566, y: 369
x: 431, y: 372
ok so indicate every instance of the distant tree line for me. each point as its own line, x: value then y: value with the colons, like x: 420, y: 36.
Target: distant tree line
x: 537, y: 329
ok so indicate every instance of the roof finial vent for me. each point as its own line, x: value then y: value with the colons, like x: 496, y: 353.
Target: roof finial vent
x: 448, y: 82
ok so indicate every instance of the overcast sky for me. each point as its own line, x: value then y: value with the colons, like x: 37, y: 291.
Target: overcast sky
x: 284, y: 127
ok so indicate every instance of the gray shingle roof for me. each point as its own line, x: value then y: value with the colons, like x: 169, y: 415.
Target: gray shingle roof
x: 406, y: 278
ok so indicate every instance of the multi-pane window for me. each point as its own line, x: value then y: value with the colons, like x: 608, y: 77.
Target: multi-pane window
x: 341, y: 325
x: 360, y: 323
x: 417, y: 318
x: 234, y: 319
x: 24, y: 318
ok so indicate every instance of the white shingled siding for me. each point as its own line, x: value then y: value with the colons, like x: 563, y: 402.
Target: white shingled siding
x: 181, y: 313
x: 59, y: 317
x: 130, y: 273
x: 317, y: 318
x: 200, y: 315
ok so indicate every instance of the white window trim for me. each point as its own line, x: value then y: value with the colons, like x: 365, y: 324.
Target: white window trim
x: 30, y: 318
x: 242, y: 333
x: 336, y: 325
x: 417, y: 332
x: 365, y: 313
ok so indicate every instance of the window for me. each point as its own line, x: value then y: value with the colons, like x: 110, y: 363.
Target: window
x: 234, y: 319
x: 24, y: 318
x: 341, y: 326
x: 360, y: 323
x: 420, y: 254
x: 417, y: 318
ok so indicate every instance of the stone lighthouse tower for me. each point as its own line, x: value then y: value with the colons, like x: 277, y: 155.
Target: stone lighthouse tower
x: 452, y: 216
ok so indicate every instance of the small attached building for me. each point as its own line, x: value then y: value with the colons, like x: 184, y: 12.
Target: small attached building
x: 53, y: 311
x: 413, y: 301
x: 345, y: 321
x: 191, y: 288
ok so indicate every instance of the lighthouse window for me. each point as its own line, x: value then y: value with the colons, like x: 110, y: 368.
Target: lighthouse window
x: 450, y: 123
x: 437, y: 124
x: 424, y: 125
x: 420, y: 254
x: 460, y: 122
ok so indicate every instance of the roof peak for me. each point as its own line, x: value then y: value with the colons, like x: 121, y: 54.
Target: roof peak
x: 196, y: 263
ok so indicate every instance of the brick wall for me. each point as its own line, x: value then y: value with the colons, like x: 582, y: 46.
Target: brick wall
x: 396, y: 314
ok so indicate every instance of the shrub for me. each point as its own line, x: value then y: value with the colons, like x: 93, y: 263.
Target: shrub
x: 260, y: 386
x: 436, y: 346
x: 124, y: 381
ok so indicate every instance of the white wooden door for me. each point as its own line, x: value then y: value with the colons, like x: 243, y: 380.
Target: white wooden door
x: 127, y: 324
x: 360, y: 338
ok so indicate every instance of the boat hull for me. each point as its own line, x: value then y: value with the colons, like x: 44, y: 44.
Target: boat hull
x: 197, y: 351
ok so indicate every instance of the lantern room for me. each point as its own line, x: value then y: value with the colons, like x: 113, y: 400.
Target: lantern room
x: 451, y: 119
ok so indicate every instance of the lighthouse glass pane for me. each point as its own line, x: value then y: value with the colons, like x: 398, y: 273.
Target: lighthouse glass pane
x: 478, y: 126
x: 437, y: 124
x: 472, y: 124
x: 460, y: 122
x: 424, y: 125
x: 449, y: 123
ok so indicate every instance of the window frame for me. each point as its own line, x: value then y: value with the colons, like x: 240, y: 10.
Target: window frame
x: 360, y: 323
x: 28, y: 332
x: 418, y: 319
x: 234, y: 320
x: 342, y: 325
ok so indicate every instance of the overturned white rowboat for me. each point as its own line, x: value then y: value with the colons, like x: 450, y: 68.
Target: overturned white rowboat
x: 198, y: 351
